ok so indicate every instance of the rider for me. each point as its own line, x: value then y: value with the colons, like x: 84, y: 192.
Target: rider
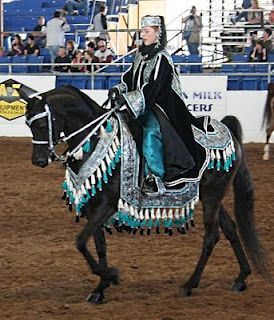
x: 151, y: 89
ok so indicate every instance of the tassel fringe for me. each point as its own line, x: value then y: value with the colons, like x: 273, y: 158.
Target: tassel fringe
x: 222, y: 159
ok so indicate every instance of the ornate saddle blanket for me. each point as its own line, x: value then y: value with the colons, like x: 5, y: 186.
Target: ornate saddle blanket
x: 135, y: 210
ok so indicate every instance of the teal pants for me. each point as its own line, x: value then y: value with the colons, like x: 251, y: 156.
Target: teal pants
x: 152, y: 146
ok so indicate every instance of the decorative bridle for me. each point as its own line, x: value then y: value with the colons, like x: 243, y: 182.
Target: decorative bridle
x: 51, y: 143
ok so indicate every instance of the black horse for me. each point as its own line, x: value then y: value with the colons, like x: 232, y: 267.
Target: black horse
x: 67, y: 110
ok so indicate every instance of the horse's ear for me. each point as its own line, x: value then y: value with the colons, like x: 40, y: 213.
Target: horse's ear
x: 24, y: 96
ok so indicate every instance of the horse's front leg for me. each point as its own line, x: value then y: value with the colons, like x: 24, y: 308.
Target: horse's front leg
x: 107, y: 275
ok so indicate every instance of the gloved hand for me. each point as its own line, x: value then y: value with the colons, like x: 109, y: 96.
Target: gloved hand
x: 113, y: 93
x: 121, y: 102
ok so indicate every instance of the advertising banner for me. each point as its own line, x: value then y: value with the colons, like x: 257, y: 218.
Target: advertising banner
x: 205, y: 95
x: 12, y: 108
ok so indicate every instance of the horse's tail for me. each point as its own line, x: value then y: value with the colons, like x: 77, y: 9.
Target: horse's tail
x: 244, y: 206
x: 268, y: 106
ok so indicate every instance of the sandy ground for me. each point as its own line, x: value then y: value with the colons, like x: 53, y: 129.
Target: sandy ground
x: 42, y: 275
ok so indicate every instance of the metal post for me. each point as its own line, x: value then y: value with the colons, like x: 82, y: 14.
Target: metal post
x: 1, y: 23
x: 210, y: 16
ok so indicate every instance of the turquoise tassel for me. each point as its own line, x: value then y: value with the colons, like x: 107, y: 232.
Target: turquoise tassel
x: 150, y: 223
x: 113, y: 164
x: 233, y: 156
x: 88, y: 197
x: 143, y: 223
x: 65, y: 185
x: 109, y: 170
x: 87, y: 147
x: 211, y: 164
x: 191, y: 211
x: 108, y: 126
x: 218, y: 165
x: 93, y: 190
x: 117, y: 155
x: 226, y: 165
x: 105, y: 177
x: 168, y: 223
x: 99, y: 184
x: 78, y: 208
x: 71, y: 198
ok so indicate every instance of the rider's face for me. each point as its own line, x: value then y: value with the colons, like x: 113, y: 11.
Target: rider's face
x: 149, y: 35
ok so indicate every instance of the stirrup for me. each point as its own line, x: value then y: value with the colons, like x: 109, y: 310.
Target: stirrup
x: 152, y: 186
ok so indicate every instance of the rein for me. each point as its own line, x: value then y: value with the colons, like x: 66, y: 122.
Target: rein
x: 47, y: 113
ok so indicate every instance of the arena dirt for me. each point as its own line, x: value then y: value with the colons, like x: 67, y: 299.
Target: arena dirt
x: 42, y: 275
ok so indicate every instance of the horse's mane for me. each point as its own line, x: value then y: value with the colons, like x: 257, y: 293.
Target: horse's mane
x: 93, y: 105
x: 268, y: 105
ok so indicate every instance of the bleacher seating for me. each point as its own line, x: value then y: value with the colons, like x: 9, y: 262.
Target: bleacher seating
x: 19, y: 68
x: 4, y: 69
x: 21, y: 16
x: 35, y: 59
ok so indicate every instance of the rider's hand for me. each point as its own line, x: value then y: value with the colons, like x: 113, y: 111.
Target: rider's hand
x: 113, y: 93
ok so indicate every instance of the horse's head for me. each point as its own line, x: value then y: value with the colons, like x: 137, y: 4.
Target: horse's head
x: 45, y: 131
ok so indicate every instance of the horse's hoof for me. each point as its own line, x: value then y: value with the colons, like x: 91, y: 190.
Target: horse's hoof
x: 112, y: 275
x: 239, y: 286
x: 185, y: 292
x: 266, y: 157
x: 95, y: 298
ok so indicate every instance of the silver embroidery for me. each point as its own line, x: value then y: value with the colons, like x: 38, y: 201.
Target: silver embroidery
x: 219, y: 139
x: 136, y: 102
x: 148, y: 21
x: 122, y: 87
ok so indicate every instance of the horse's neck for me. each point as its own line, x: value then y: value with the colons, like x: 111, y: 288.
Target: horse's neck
x: 76, y: 113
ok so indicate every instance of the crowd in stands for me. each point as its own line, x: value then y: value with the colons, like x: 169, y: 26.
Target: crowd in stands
x: 51, y: 35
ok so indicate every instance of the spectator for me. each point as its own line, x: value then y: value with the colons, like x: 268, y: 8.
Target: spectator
x: 31, y: 47
x: 254, y: 17
x: 193, y: 26
x: 70, y: 47
x: 271, y: 15
x: 245, y: 5
x: 89, y: 58
x: 17, y: 46
x: 103, y: 54
x: 258, y: 54
x: 75, y: 7
x: 262, y: 47
x: 91, y: 48
x: 39, y: 32
x: 100, y: 23
x: 55, y: 32
x: 77, y: 61
x: 62, y: 58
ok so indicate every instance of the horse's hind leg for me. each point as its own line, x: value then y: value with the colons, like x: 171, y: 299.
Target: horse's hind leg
x: 211, y: 237
x: 266, y: 154
x: 97, y: 295
x: 229, y: 229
